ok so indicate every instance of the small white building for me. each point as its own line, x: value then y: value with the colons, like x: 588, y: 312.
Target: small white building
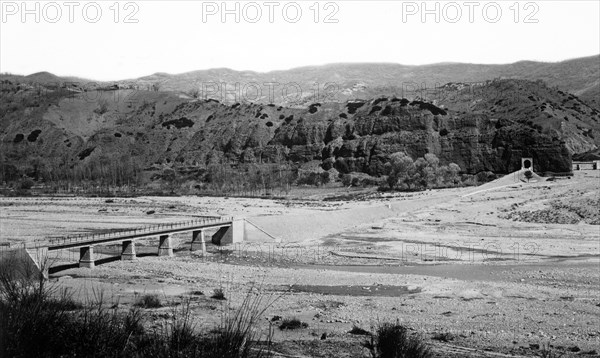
x: 591, y: 165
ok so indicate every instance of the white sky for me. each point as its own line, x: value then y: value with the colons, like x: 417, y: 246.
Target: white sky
x: 171, y: 36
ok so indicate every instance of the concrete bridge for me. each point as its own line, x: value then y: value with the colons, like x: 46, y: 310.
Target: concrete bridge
x: 229, y: 231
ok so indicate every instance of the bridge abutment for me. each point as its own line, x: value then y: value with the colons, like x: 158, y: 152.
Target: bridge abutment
x: 86, y: 257
x: 39, y: 258
x: 230, y: 234
x: 128, y: 250
x: 165, y: 246
x: 198, y: 242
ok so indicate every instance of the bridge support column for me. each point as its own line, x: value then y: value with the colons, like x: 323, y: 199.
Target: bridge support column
x: 198, y: 242
x: 86, y: 257
x: 164, y: 246
x: 128, y: 250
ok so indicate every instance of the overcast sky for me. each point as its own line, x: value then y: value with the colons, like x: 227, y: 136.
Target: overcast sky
x: 74, y: 38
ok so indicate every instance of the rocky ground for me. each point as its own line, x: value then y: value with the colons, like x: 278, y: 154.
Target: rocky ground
x: 465, y: 269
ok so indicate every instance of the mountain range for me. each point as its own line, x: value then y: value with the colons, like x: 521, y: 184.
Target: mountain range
x: 481, y: 117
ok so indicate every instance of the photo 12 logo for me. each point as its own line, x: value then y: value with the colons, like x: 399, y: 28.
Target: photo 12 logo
x: 469, y: 11
x: 269, y: 12
x: 267, y: 92
x: 69, y: 12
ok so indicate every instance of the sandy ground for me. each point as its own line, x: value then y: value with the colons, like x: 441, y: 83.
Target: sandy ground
x: 441, y: 261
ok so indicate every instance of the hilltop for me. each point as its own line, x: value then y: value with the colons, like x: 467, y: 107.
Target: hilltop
x: 347, y: 81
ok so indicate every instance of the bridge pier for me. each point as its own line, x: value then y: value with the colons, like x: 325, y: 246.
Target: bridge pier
x: 165, y: 247
x: 128, y: 250
x: 86, y: 257
x: 198, y: 242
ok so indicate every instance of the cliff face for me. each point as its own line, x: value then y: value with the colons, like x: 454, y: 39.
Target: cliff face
x: 156, y: 128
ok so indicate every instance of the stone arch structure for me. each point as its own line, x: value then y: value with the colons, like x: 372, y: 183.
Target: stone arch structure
x: 527, y: 164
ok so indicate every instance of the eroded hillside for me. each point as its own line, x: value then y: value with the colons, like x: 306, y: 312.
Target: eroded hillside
x: 57, y: 128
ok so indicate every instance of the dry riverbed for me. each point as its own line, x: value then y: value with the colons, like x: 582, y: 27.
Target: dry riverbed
x: 495, y: 271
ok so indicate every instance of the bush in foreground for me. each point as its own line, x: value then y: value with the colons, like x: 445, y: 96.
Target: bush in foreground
x: 393, y: 341
x: 34, y: 323
x: 149, y: 301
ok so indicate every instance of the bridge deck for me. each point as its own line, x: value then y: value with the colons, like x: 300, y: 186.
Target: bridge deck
x: 130, y: 234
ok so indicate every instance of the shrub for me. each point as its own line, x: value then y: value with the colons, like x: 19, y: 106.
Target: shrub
x: 26, y: 184
x: 346, y: 179
x: 444, y: 337
x: 18, y: 138
x: 237, y: 335
x: 218, y: 294
x: 547, y: 352
x: 102, y: 107
x: 148, y: 301
x: 33, y: 136
x: 387, y: 111
x: 393, y: 341
x: 359, y: 331
x: 313, y: 178
x: 292, y: 323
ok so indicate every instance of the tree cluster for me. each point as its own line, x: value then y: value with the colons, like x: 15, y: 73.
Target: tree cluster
x: 249, y: 179
x: 423, y: 173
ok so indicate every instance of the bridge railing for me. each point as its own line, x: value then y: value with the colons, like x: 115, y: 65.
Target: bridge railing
x: 145, y: 230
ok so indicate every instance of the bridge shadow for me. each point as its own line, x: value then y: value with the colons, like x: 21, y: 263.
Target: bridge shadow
x: 58, y: 268
x: 102, y: 261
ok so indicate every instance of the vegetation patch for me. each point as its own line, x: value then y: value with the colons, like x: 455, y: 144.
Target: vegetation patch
x: 379, y: 100
x: 33, y: 136
x: 375, y: 109
x: 394, y: 341
x: 354, y: 106
x: 218, y: 294
x: 35, y: 324
x: 148, y: 301
x: 313, y: 108
x: 85, y: 153
x: 356, y: 330
x: 387, y: 111
x: 292, y: 323
x: 182, y: 122
x: 423, y: 173
x: 444, y: 337
x: 430, y: 107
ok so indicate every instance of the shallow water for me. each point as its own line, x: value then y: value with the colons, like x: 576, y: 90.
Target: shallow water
x: 377, y: 290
